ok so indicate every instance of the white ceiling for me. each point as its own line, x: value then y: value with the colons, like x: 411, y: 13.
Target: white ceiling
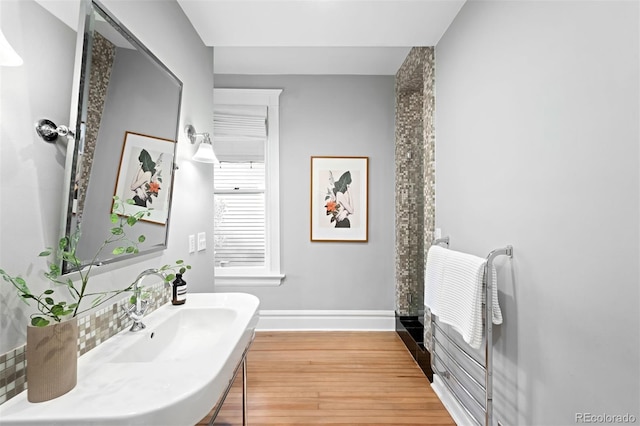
x: 307, y: 36
x: 317, y: 36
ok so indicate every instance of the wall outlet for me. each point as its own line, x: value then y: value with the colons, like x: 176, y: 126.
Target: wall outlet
x: 192, y: 243
x: 202, y: 241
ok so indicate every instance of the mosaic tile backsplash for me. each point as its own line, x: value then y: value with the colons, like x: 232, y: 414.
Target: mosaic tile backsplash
x: 415, y: 176
x: 93, y: 330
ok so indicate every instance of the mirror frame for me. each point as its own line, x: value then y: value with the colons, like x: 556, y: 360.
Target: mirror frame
x: 78, y: 120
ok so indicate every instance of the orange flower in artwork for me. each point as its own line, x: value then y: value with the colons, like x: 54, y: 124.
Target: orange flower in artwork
x: 154, y: 187
x: 331, y: 206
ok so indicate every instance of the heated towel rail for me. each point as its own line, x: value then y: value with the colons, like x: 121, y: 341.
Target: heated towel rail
x: 487, y: 367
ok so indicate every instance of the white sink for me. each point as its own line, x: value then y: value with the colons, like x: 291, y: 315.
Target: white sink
x: 179, y: 338
x: 170, y: 373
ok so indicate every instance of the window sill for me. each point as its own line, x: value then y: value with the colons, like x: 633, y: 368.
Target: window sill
x: 226, y: 279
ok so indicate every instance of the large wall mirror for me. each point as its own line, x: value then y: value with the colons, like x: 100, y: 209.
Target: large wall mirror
x: 126, y: 131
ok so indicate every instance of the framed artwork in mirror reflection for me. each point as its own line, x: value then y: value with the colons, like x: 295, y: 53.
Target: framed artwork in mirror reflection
x: 145, y: 175
x: 339, y: 199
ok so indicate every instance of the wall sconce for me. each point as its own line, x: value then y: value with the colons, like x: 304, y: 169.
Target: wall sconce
x: 8, y: 56
x: 205, y: 153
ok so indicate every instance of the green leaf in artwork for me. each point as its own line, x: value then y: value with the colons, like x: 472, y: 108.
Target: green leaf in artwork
x: 49, y: 301
x: 45, y: 253
x: 114, y: 218
x: 117, y: 231
x: 118, y: 250
x: 131, y: 220
x: 48, y: 291
x: 141, y: 238
x: 130, y: 249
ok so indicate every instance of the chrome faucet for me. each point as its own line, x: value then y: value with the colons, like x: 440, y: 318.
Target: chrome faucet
x: 136, y: 311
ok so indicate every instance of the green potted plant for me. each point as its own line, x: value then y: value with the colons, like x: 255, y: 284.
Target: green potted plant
x: 53, y: 330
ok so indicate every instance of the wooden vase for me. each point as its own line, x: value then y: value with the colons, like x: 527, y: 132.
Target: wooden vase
x: 52, y: 360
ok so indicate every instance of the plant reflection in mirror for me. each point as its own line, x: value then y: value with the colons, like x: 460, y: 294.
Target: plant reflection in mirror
x: 58, y: 309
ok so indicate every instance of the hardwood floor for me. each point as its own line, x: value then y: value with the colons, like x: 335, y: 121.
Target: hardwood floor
x: 338, y: 378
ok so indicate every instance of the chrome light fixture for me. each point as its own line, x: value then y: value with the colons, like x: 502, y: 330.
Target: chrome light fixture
x: 8, y: 56
x: 205, y: 153
x: 49, y: 132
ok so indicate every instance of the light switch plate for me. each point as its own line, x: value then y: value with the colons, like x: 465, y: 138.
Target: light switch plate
x: 192, y: 243
x: 202, y: 241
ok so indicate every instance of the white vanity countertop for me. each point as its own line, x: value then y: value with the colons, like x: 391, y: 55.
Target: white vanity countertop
x: 170, y: 373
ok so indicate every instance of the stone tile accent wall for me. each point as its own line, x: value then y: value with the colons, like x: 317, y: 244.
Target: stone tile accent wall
x: 409, y: 202
x: 93, y: 330
x: 429, y: 107
x: 429, y: 140
x: 102, y: 56
x: 415, y: 176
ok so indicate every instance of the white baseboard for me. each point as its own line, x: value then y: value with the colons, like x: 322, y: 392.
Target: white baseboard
x: 459, y: 415
x: 287, y: 320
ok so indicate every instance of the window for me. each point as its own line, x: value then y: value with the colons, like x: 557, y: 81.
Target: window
x: 246, y: 217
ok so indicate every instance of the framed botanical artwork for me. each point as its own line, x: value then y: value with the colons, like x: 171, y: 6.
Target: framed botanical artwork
x: 339, y: 199
x: 145, y: 175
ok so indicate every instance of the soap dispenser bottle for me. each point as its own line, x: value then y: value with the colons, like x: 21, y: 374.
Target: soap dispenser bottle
x: 179, y: 290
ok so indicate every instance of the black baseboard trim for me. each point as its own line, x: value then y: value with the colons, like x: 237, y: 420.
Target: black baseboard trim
x: 411, y: 330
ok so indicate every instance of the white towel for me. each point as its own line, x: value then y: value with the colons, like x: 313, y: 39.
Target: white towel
x: 436, y: 257
x: 457, y: 282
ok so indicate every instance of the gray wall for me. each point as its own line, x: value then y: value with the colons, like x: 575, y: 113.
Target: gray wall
x: 31, y: 171
x: 537, y: 146
x: 331, y: 116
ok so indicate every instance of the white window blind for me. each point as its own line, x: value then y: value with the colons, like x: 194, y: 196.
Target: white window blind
x: 239, y: 132
x: 240, y: 214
